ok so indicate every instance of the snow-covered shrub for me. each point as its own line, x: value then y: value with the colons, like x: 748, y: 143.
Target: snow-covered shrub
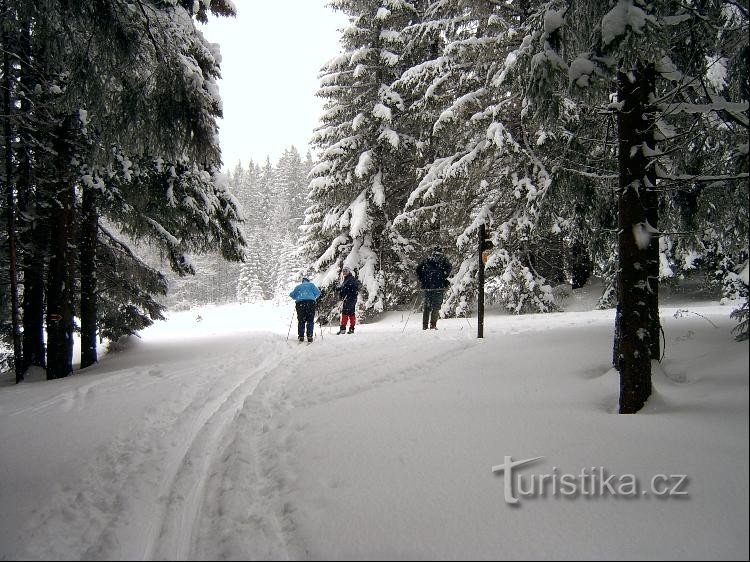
x: 521, y: 290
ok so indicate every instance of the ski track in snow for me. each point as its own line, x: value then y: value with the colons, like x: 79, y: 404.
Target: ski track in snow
x: 147, y: 487
x: 204, y: 474
x: 188, y: 473
x: 257, y: 464
x: 209, y: 472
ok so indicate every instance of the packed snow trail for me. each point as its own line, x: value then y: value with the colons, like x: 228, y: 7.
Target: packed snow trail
x: 249, y: 515
x: 144, y: 493
x: 211, y: 441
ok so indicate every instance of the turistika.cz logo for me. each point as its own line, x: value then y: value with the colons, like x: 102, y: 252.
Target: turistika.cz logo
x: 588, y: 482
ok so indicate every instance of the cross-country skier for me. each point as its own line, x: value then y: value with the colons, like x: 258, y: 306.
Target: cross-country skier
x: 305, y: 296
x: 348, y: 291
x: 432, y: 273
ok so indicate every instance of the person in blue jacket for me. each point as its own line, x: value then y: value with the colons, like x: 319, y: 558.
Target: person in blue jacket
x: 305, y: 296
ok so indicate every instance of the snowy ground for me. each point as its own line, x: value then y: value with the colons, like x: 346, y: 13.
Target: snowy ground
x: 213, y: 437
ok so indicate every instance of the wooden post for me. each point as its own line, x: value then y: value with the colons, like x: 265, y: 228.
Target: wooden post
x: 480, y: 283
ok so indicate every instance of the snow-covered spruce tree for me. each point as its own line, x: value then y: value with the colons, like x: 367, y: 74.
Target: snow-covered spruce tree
x: 634, y: 49
x: 705, y: 159
x: 365, y: 165
x: 188, y: 207
x: 36, y: 92
x: 244, y: 184
x: 420, y: 45
x: 142, y: 80
x: 264, y: 243
x: 281, y: 248
x: 126, y: 288
x: 442, y: 93
x: 31, y: 92
x: 248, y: 284
x: 287, y: 210
x: 181, y: 209
x: 481, y: 171
x: 10, y: 44
x: 273, y: 200
x: 681, y: 107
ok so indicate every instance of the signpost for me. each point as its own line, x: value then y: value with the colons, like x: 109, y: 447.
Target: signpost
x: 485, y: 249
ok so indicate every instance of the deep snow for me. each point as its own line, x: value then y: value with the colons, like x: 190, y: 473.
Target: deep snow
x: 215, y: 437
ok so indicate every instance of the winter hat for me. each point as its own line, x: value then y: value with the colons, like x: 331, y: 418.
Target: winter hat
x: 346, y: 268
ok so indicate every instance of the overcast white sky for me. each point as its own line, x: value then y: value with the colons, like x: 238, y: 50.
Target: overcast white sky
x: 271, y: 55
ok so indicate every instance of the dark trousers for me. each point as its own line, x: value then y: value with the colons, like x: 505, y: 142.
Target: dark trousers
x: 433, y: 300
x: 305, y: 318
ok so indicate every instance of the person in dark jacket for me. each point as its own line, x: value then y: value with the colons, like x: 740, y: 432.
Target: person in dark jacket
x: 348, y: 291
x: 433, y: 272
x: 305, y: 296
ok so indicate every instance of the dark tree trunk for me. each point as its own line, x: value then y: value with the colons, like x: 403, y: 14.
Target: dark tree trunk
x: 59, y: 280
x: 10, y: 193
x: 33, y: 235
x: 581, y: 265
x: 634, y: 289
x: 33, y: 304
x: 88, y: 237
x: 651, y: 200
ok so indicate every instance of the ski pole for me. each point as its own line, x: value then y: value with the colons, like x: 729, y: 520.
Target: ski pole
x: 290, y: 326
x: 413, y: 308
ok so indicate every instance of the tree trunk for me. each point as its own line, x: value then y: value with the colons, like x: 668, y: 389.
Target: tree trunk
x: 33, y: 306
x: 10, y: 194
x: 88, y: 237
x: 33, y: 234
x: 59, y: 280
x: 634, y: 291
x: 651, y: 200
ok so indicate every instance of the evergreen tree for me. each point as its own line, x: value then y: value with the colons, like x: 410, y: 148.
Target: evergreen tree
x: 290, y: 197
x: 105, y: 75
x: 273, y: 199
x: 480, y: 169
x: 633, y: 48
x: 589, y: 137
x: 363, y: 172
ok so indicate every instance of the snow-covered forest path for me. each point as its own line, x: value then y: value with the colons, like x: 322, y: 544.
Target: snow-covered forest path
x: 143, y: 491
x: 209, y: 440
x: 181, y: 468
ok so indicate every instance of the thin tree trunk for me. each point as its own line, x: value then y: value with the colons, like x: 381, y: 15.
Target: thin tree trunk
x: 33, y: 303
x: 10, y: 194
x: 633, y: 350
x: 59, y: 281
x: 32, y: 236
x: 88, y: 237
x: 652, y: 264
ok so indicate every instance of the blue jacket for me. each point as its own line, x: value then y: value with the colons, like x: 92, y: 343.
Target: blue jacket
x: 305, y: 291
